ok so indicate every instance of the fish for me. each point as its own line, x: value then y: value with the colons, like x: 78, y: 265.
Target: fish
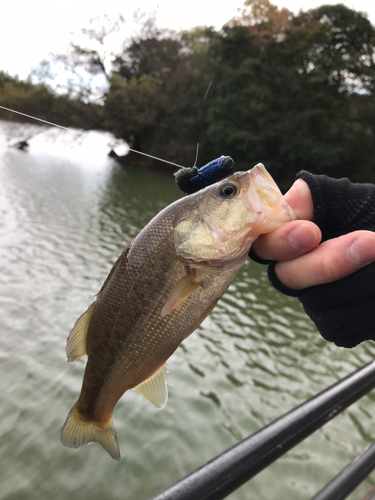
x: 161, y: 288
x: 191, y: 179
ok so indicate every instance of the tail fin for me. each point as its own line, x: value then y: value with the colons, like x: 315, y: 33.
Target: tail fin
x: 78, y: 432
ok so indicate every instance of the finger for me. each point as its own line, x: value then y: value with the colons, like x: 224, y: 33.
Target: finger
x: 300, y: 200
x: 331, y: 261
x: 288, y: 241
x: 294, y: 238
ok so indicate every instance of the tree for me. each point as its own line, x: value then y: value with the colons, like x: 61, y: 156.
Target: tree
x: 156, y: 95
x: 344, y: 49
x: 40, y: 101
x: 263, y: 20
x: 291, y: 91
x: 298, y: 100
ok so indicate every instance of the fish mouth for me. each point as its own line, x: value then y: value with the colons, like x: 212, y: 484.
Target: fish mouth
x: 265, y: 186
x: 270, y: 200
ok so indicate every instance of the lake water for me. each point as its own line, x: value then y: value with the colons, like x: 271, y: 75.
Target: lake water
x: 66, y: 213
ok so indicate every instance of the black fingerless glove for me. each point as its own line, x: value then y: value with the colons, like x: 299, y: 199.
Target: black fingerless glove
x: 343, y: 311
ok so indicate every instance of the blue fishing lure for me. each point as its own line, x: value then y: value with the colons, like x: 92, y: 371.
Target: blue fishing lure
x: 190, y: 180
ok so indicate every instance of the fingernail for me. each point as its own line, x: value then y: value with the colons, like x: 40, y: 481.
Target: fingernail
x: 361, y: 251
x: 302, y: 237
x: 299, y: 198
x: 302, y: 188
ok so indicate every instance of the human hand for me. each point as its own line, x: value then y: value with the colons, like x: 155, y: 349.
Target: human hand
x: 331, y: 278
x: 301, y: 261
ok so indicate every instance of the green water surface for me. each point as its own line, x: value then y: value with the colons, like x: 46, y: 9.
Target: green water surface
x: 64, y: 219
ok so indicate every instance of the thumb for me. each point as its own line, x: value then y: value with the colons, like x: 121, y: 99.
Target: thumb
x: 300, y: 200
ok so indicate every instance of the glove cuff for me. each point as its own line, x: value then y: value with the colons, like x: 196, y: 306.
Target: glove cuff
x: 343, y: 311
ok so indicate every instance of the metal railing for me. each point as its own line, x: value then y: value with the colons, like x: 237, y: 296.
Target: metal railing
x: 225, y: 473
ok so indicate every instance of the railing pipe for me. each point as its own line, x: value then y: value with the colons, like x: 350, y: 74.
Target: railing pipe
x: 228, y: 471
x: 350, y: 477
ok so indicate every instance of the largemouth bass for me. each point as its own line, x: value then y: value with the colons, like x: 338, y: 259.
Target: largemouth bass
x: 161, y: 288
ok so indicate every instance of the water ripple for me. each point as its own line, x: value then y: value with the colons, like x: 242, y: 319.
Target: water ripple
x: 63, y: 223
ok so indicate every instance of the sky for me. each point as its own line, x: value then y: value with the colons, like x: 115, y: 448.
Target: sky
x: 31, y: 29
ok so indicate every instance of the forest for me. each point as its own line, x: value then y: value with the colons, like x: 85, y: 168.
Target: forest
x: 293, y: 91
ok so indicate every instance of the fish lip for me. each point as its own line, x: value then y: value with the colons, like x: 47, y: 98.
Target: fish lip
x: 262, y: 179
x: 263, y: 183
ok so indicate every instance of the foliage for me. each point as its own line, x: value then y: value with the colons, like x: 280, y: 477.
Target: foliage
x: 156, y: 95
x: 291, y: 91
x: 300, y: 99
x: 39, y: 100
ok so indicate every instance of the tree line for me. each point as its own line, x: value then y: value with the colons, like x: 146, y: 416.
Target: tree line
x: 41, y: 101
x: 293, y: 91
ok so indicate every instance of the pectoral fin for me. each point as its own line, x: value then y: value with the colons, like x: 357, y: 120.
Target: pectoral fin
x: 76, y: 345
x: 155, y: 388
x: 180, y: 293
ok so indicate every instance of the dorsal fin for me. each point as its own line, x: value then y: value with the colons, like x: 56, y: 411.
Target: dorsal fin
x: 76, y: 344
x: 155, y: 388
x: 113, y: 269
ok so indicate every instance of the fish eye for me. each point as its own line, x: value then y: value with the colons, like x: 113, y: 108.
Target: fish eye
x: 228, y: 190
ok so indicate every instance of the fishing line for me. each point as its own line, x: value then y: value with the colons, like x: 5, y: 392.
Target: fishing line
x: 84, y: 133
x: 197, y: 151
x: 196, y: 155
x: 208, y: 88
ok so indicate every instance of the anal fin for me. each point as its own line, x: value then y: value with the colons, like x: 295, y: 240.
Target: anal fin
x: 76, y: 345
x: 155, y: 388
